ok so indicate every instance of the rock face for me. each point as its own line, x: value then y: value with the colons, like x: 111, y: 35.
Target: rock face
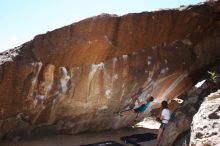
x: 181, y: 119
x: 177, y: 131
x: 205, y: 129
x: 76, y: 78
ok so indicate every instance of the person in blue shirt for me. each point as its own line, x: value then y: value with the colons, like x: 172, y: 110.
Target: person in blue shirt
x: 143, y: 106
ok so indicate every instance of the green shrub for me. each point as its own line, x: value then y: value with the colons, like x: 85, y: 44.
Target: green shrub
x: 212, y: 75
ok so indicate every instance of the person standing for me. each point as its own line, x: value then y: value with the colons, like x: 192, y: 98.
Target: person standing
x: 165, y: 117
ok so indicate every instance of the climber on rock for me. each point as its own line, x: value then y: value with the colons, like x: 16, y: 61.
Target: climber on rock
x: 143, y: 106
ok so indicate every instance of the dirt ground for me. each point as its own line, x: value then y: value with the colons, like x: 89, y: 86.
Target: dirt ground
x: 84, y: 138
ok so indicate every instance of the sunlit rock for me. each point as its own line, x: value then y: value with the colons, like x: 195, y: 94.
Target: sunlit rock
x: 77, y: 78
x: 205, y: 125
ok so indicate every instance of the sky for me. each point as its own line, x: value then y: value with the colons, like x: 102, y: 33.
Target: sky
x: 21, y: 20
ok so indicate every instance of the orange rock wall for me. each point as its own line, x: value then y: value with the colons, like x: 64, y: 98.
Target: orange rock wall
x: 77, y: 77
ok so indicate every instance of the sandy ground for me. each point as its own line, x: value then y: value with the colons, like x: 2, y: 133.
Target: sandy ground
x: 84, y: 138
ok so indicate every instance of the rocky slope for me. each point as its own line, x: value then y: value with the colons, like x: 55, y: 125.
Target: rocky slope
x: 76, y: 78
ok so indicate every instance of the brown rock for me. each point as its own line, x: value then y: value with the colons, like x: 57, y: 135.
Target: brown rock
x: 82, y: 74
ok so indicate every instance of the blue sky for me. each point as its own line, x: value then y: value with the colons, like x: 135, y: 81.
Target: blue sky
x: 21, y: 20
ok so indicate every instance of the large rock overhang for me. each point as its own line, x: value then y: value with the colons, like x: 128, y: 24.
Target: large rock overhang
x: 77, y: 77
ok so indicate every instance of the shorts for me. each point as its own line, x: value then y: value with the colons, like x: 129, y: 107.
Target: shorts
x: 137, y: 110
x: 141, y: 109
x: 162, y: 126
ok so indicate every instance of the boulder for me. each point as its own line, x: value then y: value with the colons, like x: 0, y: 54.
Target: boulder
x: 75, y: 78
x: 205, y: 128
x: 177, y: 131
